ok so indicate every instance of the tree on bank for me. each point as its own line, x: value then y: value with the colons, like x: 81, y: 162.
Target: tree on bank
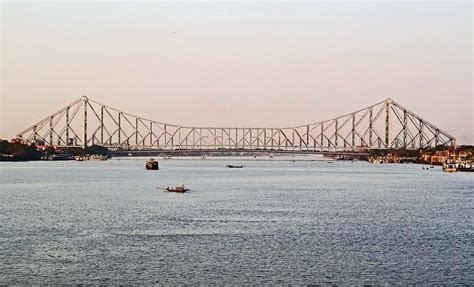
x: 13, y: 151
x: 18, y: 151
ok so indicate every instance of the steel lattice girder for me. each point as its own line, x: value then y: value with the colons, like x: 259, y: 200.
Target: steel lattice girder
x: 386, y: 124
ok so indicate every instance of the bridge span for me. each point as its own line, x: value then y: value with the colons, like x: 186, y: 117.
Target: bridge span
x: 386, y: 124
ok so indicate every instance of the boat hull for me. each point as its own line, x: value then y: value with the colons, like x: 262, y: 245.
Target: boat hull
x: 177, y: 190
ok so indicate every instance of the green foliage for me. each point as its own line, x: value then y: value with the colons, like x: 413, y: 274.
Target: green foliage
x: 4, y: 147
x: 438, y: 148
x: 405, y: 152
x: 74, y: 151
x: 18, y: 151
x: 49, y: 150
x: 467, y: 148
x: 96, y: 149
x: 379, y: 152
x: 396, y: 152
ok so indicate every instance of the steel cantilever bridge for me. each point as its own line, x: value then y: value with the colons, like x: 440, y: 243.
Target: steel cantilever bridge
x: 386, y: 124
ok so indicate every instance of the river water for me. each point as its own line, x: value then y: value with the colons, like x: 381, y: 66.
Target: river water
x: 273, y: 221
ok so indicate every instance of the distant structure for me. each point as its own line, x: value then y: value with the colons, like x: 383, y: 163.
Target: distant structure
x: 386, y: 124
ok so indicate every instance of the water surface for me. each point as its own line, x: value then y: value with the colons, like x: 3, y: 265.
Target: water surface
x: 271, y: 222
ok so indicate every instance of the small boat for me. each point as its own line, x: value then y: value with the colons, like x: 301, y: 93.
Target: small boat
x: 180, y: 189
x: 466, y: 166
x: 151, y: 164
x: 449, y: 167
x: 234, y: 166
x: 98, y: 157
x: 375, y: 161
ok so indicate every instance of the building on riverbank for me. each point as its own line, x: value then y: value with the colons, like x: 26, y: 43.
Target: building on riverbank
x: 441, y: 156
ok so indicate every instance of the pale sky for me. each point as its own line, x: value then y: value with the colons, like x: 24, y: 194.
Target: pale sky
x: 238, y: 64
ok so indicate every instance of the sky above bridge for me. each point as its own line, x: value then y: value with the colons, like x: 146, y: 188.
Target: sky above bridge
x: 238, y: 64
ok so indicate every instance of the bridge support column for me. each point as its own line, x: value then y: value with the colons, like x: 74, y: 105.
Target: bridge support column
x: 136, y: 131
x: 51, y: 130
x: 387, y: 124
x: 35, y: 133
x: 405, y: 129
x: 102, y: 125
x: 151, y: 134
x: 322, y: 136
x: 421, y: 134
x: 84, y: 127
x: 67, y: 126
x: 353, y: 130
x: 371, y: 120
x: 119, y: 129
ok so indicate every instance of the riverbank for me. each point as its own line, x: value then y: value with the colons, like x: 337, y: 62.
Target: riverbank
x: 20, y: 151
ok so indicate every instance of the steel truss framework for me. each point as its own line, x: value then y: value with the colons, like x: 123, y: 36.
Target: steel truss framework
x: 86, y: 122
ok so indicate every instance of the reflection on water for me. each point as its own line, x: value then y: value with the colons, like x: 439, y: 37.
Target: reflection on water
x: 270, y: 222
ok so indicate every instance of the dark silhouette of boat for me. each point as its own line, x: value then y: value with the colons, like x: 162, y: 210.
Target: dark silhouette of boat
x: 151, y: 164
x: 234, y: 166
x: 180, y: 189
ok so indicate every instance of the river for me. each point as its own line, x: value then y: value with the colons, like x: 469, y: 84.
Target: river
x: 275, y: 221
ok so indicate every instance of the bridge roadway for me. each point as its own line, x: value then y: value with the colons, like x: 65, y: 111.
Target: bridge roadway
x: 231, y: 152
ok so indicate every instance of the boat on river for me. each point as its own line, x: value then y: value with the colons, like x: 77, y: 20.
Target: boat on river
x: 98, y: 157
x: 466, y: 166
x: 450, y: 167
x: 234, y: 166
x: 151, y: 164
x: 179, y: 189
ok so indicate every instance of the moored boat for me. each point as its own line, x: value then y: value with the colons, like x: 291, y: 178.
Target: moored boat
x: 151, y: 164
x: 79, y: 158
x: 466, y: 166
x: 98, y: 157
x: 449, y: 167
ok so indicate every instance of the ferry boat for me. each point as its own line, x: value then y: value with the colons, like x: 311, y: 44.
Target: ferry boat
x: 450, y: 167
x: 151, y: 164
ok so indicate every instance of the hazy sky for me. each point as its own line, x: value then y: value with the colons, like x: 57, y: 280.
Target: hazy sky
x: 238, y: 64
